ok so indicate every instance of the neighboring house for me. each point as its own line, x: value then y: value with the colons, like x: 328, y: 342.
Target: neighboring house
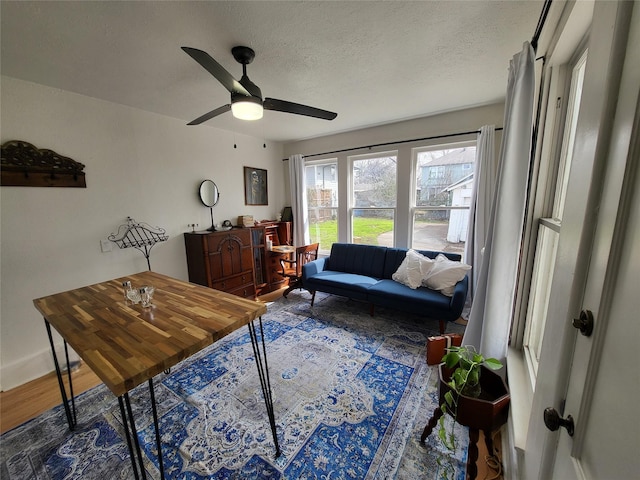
x: 438, y: 174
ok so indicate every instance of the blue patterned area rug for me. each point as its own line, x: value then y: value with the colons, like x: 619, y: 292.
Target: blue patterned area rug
x: 351, y: 393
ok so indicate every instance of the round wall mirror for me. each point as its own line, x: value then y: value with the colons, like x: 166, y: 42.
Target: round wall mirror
x: 209, y: 194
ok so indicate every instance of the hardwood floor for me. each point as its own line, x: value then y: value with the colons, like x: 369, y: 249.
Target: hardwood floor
x: 31, y: 399
x: 27, y: 401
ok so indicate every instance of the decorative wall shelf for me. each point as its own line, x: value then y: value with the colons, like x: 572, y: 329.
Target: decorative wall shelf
x: 24, y: 165
x: 140, y: 236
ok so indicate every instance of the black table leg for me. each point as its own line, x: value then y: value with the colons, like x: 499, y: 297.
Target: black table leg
x: 157, y: 428
x: 70, y: 411
x: 131, y: 433
x: 125, y: 424
x: 263, y: 374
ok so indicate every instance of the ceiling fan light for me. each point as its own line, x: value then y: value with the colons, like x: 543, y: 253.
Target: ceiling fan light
x: 247, y: 109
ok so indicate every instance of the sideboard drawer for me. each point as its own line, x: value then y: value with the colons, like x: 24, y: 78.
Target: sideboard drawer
x: 247, y: 291
x: 231, y: 283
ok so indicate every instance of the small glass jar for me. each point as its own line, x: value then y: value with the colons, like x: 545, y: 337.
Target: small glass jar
x: 132, y: 296
x: 146, y: 295
x: 125, y: 288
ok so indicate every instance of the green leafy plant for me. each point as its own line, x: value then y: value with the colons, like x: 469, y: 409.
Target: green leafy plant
x: 465, y: 380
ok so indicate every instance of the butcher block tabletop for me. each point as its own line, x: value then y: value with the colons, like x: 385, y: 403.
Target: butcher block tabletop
x: 126, y: 345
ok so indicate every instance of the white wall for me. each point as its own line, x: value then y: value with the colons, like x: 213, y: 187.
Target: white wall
x: 470, y: 119
x: 137, y: 164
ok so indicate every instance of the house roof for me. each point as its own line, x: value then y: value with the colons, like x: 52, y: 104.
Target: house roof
x: 460, y: 183
x: 455, y: 157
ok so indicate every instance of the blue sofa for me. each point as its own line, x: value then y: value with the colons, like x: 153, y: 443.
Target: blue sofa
x: 363, y: 272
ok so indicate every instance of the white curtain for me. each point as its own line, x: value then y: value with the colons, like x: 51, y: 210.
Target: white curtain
x: 484, y: 176
x: 298, y: 200
x: 492, y: 309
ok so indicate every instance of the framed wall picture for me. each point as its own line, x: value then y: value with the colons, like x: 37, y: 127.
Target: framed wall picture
x: 255, y: 186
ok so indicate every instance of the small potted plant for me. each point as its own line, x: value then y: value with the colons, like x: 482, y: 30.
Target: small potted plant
x: 474, y: 396
x: 460, y: 376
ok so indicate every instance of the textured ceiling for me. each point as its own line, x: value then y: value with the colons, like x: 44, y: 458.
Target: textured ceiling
x: 372, y: 62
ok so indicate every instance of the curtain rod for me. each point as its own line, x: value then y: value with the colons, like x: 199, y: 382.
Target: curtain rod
x: 541, y: 20
x: 434, y: 137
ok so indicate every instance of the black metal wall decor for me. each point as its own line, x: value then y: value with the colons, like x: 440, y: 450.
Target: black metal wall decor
x: 140, y: 236
x: 24, y: 165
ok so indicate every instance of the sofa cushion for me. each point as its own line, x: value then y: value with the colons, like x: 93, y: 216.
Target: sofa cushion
x: 421, y: 301
x: 390, y: 293
x: 354, y: 258
x: 349, y: 282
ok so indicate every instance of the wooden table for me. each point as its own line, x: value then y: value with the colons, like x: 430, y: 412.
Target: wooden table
x: 126, y: 345
x: 283, y: 249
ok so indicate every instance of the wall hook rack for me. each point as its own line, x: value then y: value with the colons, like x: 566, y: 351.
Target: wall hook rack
x: 140, y: 236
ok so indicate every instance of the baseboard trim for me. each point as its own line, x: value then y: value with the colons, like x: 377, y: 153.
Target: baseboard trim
x: 34, y: 366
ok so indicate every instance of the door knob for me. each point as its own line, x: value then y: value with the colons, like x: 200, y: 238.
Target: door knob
x: 584, y: 323
x: 554, y: 421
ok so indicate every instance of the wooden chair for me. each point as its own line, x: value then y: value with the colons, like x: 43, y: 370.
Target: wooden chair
x: 292, y: 269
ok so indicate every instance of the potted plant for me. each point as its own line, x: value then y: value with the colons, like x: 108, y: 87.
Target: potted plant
x: 460, y: 376
x: 485, y: 408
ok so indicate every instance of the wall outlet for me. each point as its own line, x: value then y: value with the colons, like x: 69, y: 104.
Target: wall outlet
x: 105, y: 246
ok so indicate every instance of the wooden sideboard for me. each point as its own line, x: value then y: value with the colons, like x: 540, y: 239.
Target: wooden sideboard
x: 238, y: 261
x: 222, y: 260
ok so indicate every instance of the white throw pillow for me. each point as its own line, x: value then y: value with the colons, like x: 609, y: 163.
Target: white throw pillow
x: 413, y: 269
x: 445, y: 274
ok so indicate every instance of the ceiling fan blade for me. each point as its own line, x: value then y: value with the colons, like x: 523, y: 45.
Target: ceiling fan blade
x: 298, y: 109
x: 217, y: 70
x: 211, y: 114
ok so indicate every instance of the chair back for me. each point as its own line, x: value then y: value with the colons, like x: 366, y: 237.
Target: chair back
x: 305, y: 254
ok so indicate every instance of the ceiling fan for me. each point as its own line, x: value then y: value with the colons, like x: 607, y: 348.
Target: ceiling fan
x: 246, y: 97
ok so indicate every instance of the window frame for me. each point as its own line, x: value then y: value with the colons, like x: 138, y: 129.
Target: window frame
x: 550, y: 191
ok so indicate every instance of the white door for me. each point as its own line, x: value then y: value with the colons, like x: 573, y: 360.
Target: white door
x: 593, y: 379
x: 603, y: 389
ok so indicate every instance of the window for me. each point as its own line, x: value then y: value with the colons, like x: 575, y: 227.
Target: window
x: 544, y: 261
x: 443, y: 187
x: 322, y: 202
x: 549, y: 228
x: 373, y: 199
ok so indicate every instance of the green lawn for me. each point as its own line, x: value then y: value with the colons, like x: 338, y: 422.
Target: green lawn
x: 365, y: 230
